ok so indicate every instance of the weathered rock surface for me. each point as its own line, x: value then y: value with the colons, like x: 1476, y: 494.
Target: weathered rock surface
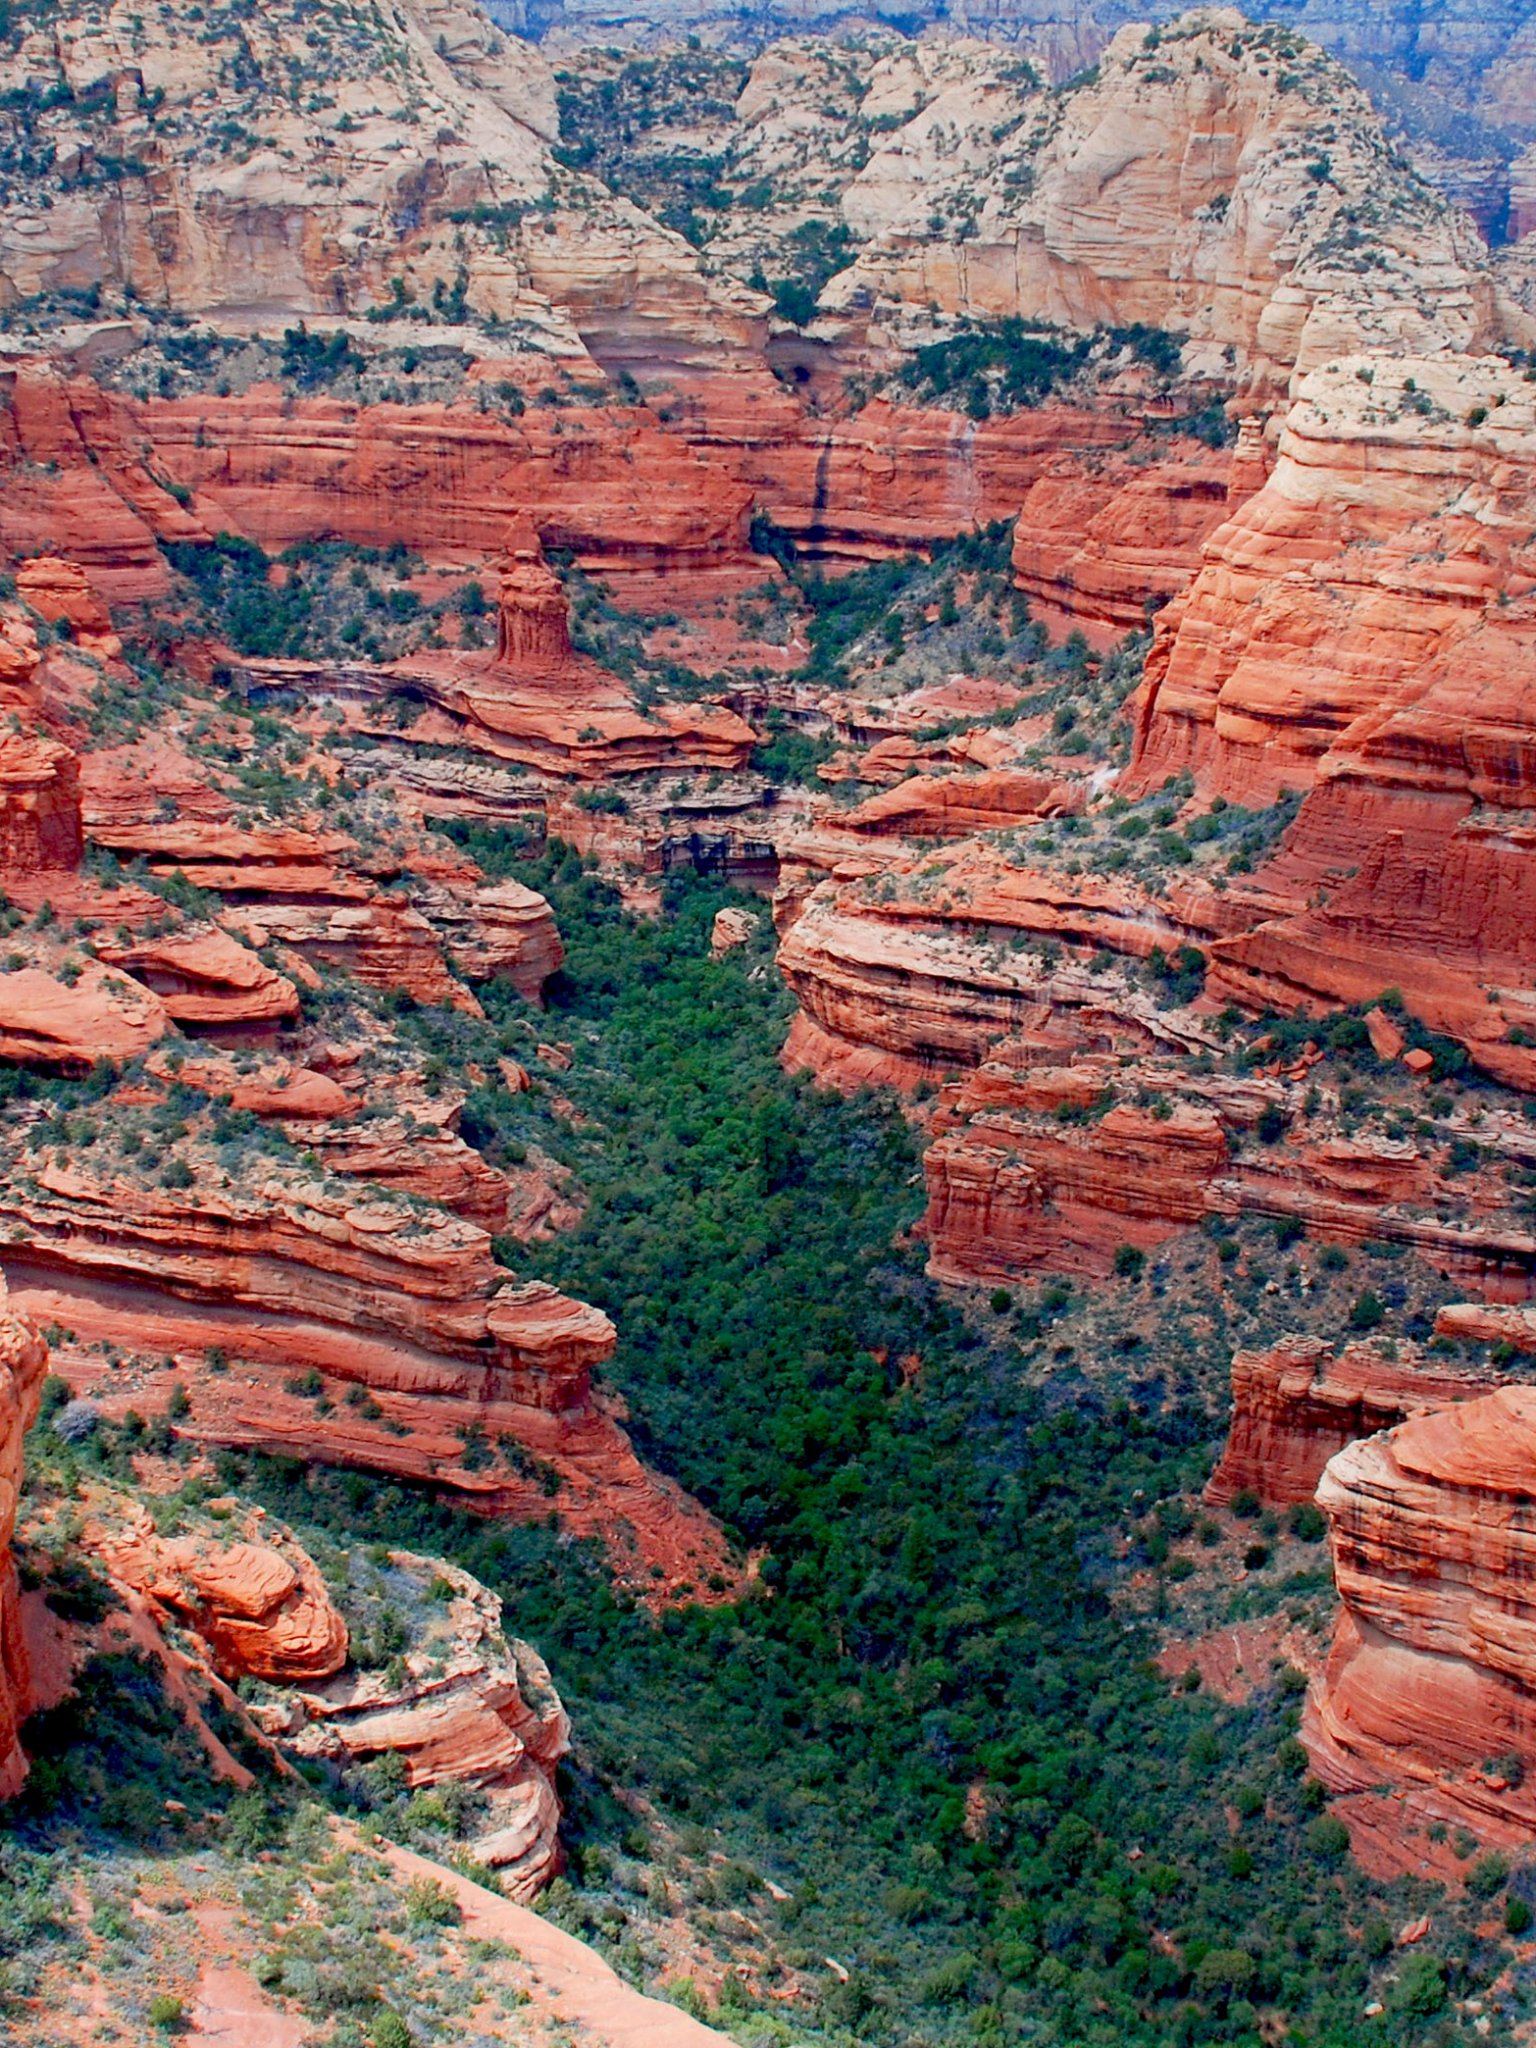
x: 261, y: 1606
x: 23, y: 1362
x: 925, y: 965
x: 1173, y: 188
x: 1296, y: 1404
x: 1362, y: 631
x: 39, y: 804
x: 1430, y: 1685
x: 474, y: 1708
x: 102, y: 1015
x: 1049, y: 1158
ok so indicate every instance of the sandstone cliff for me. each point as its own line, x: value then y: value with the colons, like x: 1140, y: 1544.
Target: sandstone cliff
x: 1214, y: 178
x: 23, y: 1362
x: 402, y: 169
x: 1049, y: 1158
x: 1297, y: 1403
x: 1429, y: 1686
x: 1361, y: 631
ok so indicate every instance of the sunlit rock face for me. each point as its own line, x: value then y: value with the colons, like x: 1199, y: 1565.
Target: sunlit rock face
x: 1431, y: 1686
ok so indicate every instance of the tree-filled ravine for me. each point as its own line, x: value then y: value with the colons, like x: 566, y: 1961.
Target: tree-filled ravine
x: 930, y: 1756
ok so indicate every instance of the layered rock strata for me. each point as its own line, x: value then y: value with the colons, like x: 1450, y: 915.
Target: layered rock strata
x: 1205, y: 178
x: 1431, y: 1684
x: 1362, y: 632
x: 472, y: 1707
x: 1049, y: 1159
x: 23, y: 1363
x: 261, y: 1606
x: 1297, y: 1403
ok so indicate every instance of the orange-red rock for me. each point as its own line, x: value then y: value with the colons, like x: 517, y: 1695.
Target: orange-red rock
x: 1297, y: 1403
x: 1484, y: 1322
x: 39, y: 804
x: 931, y: 961
x: 62, y: 593
x: 1049, y: 1158
x: 1430, y: 1685
x: 954, y: 806
x: 1362, y: 631
x: 23, y: 1362
x: 263, y: 1610
x: 100, y: 1015
x: 205, y: 976
x: 1115, y: 551
x: 473, y: 1707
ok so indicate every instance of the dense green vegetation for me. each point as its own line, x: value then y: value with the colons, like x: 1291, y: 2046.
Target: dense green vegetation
x: 1009, y: 365
x: 935, y: 1727
x: 606, y: 124
x: 326, y: 599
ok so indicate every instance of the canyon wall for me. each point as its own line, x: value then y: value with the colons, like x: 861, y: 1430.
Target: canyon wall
x: 1429, y: 1685
x: 1362, y: 631
x: 1302, y: 1400
x: 1049, y: 1158
x: 1214, y: 178
x: 23, y: 1362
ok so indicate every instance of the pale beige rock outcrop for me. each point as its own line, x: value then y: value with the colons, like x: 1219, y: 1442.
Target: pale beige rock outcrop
x: 1221, y: 180
x: 407, y: 155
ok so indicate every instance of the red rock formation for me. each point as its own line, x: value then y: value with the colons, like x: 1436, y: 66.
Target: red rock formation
x: 204, y: 976
x: 1483, y: 1323
x: 1296, y: 1404
x: 954, y: 806
x: 72, y: 487
x: 23, y: 1362
x: 1362, y: 631
x: 532, y: 613
x: 496, y: 928
x: 101, y: 1015
x: 39, y: 805
x: 324, y: 1262
x: 62, y: 593
x: 474, y: 1708
x: 291, y: 1275
x: 1430, y: 1684
x: 384, y: 918
x: 493, y: 1455
x: 1097, y: 548
x: 1049, y: 1158
x: 263, y: 1610
x: 931, y: 962
x: 627, y: 497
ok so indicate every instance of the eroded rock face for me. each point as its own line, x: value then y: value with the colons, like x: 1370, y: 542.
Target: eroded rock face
x: 1174, y: 189
x: 1430, y: 1684
x: 1049, y: 1157
x: 102, y: 1014
x: 1362, y: 631
x: 23, y: 1363
x: 1296, y: 1404
x: 321, y: 1262
x: 39, y: 804
x: 924, y: 965
x: 261, y: 1606
x: 472, y: 1707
